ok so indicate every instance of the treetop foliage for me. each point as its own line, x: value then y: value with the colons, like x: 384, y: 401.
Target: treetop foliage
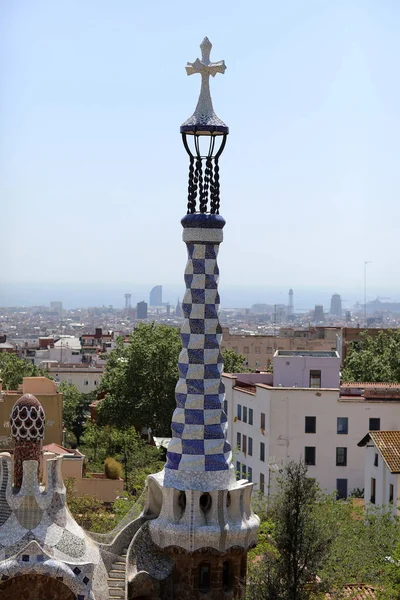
x: 374, y: 358
x: 14, y: 369
x: 140, y: 379
x: 233, y: 362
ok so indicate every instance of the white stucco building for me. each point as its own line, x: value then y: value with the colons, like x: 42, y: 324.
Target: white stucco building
x: 382, y: 469
x: 86, y: 378
x: 303, y: 412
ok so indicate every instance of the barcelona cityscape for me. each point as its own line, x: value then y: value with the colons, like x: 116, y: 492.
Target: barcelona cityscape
x: 199, y: 300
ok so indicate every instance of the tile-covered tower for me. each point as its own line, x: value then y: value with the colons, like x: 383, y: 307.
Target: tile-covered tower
x: 205, y: 522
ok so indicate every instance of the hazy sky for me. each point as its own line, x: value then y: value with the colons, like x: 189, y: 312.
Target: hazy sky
x: 93, y: 176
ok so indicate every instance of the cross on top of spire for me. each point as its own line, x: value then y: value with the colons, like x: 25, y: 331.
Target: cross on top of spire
x: 204, y: 120
x: 205, y: 65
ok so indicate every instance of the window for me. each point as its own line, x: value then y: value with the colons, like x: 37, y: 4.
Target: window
x: 204, y: 577
x: 311, y: 425
x: 239, y: 412
x: 341, y: 457
x: 250, y: 474
x: 244, y: 444
x: 250, y: 416
x: 373, y: 490
x: 234, y: 348
x: 238, y: 467
x: 258, y: 350
x: 374, y: 424
x: 262, y: 451
x: 225, y: 407
x: 309, y: 455
x: 376, y: 460
x: 246, y: 349
x: 244, y: 414
x: 391, y: 492
x: 244, y: 471
x: 262, y: 483
x: 227, y: 576
x: 315, y: 379
x: 95, y: 382
x: 238, y: 440
x: 262, y: 421
x: 250, y: 447
x: 86, y: 382
x: 342, y: 425
x: 341, y: 486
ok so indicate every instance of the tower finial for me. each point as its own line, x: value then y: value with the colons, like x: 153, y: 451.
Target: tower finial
x: 204, y: 120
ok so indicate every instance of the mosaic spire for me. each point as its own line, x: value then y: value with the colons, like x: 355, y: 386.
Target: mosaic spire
x: 200, y: 504
x: 199, y: 455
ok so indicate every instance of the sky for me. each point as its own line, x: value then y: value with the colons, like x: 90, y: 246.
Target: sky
x: 93, y: 175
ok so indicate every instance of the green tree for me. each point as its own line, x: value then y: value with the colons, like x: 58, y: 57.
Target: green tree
x: 374, y: 358
x: 361, y: 545
x: 75, y: 409
x: 14, y: 369
x: 234, y: 362
x: 389, y: 588
x: 140, y: 379
x: 97, y: 440
x: 138, y: 457
x: 301, y: 540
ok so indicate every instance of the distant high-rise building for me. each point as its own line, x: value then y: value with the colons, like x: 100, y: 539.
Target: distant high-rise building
x: 128, y: 302
x: 168, y: 309
x: 290, y: 304
x: 178, y: 310
x: 318, y: 313
x: 56, y: 306
x: 141, y: 310
x: 156, y: 296
x: 336, y: 305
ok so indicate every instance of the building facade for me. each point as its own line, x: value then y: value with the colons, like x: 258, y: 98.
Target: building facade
x: 259, y: 350
x: 275, y: 421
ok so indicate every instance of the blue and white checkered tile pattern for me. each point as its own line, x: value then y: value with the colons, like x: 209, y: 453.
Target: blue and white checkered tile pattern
x: 199, y: 425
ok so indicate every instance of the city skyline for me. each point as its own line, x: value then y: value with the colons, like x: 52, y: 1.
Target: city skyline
x: 102, y: 294
x: 83, y: 118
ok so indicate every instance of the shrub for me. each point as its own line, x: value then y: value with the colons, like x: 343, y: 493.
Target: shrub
x: 112, y: 468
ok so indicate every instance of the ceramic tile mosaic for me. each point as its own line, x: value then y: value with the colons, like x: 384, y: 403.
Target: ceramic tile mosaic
x: 199, y: 448
x: 37, y: 532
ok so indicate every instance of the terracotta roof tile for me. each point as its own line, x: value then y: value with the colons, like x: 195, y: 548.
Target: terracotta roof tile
x: 368, y: 384
x: 356, y: 591
x: 388, y: 445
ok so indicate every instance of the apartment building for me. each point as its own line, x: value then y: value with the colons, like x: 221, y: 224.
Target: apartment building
x: 302, y: 411
x: 86, y: 378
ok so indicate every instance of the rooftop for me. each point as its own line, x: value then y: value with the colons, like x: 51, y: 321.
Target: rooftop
x: 316, y: 354
x: 388, y: 446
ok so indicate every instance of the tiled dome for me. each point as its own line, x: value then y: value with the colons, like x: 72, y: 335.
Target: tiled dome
x: 27, y: 419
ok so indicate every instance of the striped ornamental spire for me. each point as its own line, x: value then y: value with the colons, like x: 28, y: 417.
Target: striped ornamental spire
x: 199, y: 456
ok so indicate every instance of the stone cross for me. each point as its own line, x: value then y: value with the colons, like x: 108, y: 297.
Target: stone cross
x: 204, y: 109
